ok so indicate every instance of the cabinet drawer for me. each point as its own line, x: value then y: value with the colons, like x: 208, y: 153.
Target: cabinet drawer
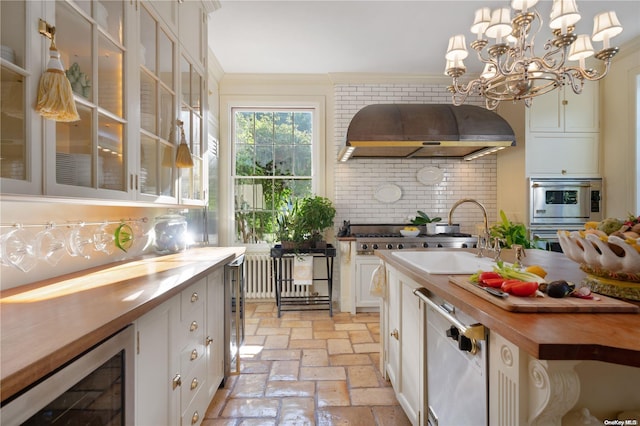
x: 191, y: 329
x: 192, y: 298
x: 192, y: 382
x: 191, y: 356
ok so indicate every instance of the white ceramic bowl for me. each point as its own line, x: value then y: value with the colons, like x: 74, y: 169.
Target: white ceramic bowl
x: 406, y: 233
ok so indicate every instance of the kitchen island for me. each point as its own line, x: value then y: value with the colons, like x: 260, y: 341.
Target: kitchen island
x: 544, y: 357
x: 47, y: 324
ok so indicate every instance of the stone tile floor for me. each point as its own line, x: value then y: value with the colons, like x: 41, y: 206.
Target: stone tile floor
x: 307, y: 368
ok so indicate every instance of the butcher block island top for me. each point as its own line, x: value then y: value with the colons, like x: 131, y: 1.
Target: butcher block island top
x: 609, y: 337
x: 46, y: 324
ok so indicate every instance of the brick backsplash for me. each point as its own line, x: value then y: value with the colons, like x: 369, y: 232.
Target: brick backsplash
x: 357, y: 179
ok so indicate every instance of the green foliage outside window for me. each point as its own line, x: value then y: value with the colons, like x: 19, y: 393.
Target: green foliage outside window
x: 273, y: 167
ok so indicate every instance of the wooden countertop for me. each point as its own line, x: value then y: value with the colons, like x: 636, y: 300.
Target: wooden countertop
x: 46, y: 324
x: 609, y: 337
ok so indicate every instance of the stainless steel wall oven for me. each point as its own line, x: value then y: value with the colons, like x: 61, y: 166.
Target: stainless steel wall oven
x: 563, y: 203
x: 97, y: 388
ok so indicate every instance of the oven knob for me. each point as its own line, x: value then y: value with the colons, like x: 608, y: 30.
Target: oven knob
x: 389, y: 246
x: 400, y: 246
x: 453, y: 332
x: 440, y: 245
x: 375, y: 247
x: 425, y: 245
x: 364, y: 247
x: 464, y: 245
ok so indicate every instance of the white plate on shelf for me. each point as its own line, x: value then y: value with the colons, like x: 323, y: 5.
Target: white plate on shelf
x: 430, y: 175
x: 387, y: 193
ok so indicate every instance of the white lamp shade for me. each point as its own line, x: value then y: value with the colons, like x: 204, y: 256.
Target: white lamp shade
x: 489, y: 71
x: 581, y: 48
x: 500, y: 25
x: 605, y: 26
x: 457, y: 48
x: 456, y: 63
x: 523, y: 4
x: 564, y: 13
x: 481, y: 21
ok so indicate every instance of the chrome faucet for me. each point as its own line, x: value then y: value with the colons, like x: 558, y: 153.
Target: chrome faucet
x: 483, y: 240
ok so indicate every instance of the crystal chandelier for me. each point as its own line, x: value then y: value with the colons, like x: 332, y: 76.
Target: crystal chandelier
x: 512, y: 70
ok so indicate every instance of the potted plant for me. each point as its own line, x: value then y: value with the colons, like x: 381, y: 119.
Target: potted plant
x: 422, y: 219
x: 511, y: 233
x: 311, y: 217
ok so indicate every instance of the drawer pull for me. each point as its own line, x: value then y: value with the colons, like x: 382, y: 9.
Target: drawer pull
x: 208, y: 340
x: 394, y: 333
x: 177, y: 381
x: 194, y: 383
x: 194, y: 355
x: 195, y: 418
x: 193, y: 326
x: 194, y: 297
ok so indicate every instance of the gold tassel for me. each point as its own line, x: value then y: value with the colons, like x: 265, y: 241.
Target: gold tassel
x: 55, y: 97
x: 183, y: 156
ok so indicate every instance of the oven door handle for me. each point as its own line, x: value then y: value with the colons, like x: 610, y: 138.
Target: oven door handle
x: 561, y: 185
x: 475, y: 331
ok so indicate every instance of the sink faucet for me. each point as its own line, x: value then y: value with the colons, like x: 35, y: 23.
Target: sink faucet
x: 483, y: 240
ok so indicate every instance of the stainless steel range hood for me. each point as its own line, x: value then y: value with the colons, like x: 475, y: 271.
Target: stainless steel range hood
x: 424, y: 130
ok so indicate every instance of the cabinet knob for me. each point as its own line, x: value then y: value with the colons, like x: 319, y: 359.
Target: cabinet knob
x: 565, y: 102
x: 177, y: 381
x: 564, y: 172
x: 394, y: 333
x: 208, y: 341
x: 194, y: 297
x: 195, y: 418
x: 194, y: 355
x: 194, y: 383
x: 193, y: 326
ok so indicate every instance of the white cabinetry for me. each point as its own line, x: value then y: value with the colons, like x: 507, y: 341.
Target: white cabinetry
x: 180, y: 358
x: 562, y: 135
x: 365, y: 265
x: 403, y: 360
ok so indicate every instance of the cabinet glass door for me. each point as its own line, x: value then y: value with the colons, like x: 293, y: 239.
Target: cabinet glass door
x: 90, y: 152
x: 158, y: 129
x: 191, y: 84
x: 20, y: 159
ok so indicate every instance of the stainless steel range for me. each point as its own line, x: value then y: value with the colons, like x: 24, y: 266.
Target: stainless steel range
x: 370, y: 237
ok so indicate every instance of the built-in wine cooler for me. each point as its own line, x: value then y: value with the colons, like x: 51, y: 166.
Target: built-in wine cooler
x: 234, y: 294
x: 97, y: 388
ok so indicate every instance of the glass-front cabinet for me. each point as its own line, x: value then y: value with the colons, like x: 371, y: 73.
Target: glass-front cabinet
x: 20, y: 152
x: 131, y: 79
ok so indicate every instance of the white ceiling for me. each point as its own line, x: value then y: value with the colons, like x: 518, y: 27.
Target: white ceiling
x: 406, y: 37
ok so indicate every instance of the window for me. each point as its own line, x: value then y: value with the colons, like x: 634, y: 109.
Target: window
x: 273, y: 167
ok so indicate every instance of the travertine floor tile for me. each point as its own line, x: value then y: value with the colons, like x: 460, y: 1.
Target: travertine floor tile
x: 373, y: 396
x: 280, y: 354
x: 360, y: 337
x: 322, y: 373
x: 362, y: 376
x: 333, y: 393
x: 350, y: 359
x: 276, y: 342
x: 339, y: 346
x: 390, y: 416
x: 251, y: 407
x: 345, y: 416
x: 279, y: 389
x: 249, y: 385
x: 284, y: 370
x: 297, y: 411
x: 301, y: 333
x: 315, y: 358
x: 307, y: 369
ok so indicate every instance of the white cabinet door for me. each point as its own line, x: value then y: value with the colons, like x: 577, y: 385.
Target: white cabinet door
x: 192, y: 30
x: 364, y: 271
x: 215, y: 330
x: 392, y: 336
x: 565, y: 111
x: 157, y: 399
x: 554, y: 154
x: 411, y: 352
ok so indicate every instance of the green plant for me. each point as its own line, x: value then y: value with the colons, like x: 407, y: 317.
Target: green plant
x: 423, y: 219
x: 311, y: 216
x: 511, y: 233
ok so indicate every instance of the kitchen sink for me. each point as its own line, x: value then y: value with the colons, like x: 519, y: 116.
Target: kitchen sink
x: 446, y: 262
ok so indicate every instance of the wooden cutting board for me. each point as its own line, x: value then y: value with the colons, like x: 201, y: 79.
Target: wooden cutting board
x: 548, y: 304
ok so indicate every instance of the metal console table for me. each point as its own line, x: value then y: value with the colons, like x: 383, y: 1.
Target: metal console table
x: 283, y: 273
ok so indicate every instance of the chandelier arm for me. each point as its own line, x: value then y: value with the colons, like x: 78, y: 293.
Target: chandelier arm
x: 589, y: 74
